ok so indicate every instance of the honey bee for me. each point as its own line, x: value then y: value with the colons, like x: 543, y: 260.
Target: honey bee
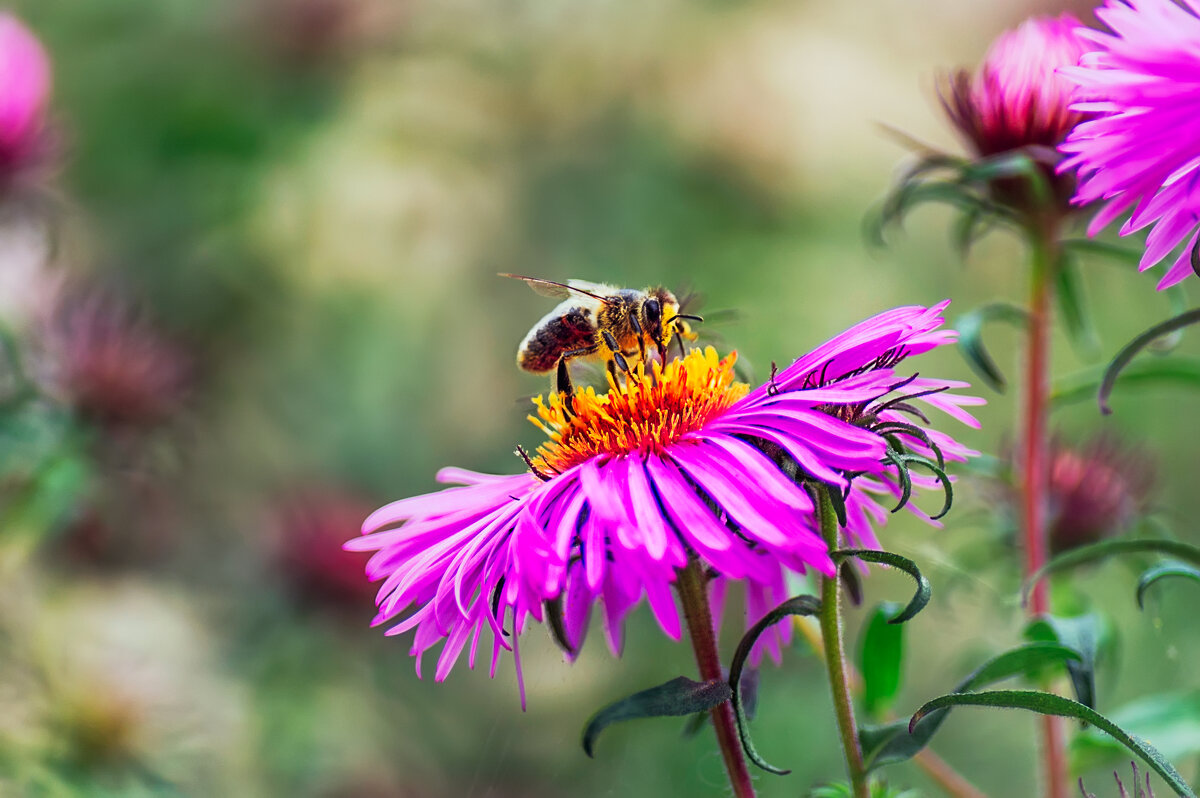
x: 597, y: 321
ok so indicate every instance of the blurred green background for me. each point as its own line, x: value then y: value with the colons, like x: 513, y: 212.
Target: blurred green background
x: 309, y: 200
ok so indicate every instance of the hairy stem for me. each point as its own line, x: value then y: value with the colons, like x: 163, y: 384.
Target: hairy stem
x: 693, y: 595
x: 953, y: 783
x: 835, y: 656
x: 1034, y: 442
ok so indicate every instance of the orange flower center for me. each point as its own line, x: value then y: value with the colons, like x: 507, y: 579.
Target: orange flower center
x: 644, y: 413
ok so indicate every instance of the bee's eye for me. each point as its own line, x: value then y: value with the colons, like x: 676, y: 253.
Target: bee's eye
x: 653, y: 310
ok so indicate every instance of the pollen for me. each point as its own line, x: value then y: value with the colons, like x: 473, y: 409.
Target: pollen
x: 641, y: 413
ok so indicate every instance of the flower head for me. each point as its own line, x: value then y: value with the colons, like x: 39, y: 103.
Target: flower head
x: 1141, y: 149
x: 678, y: 461
x: 24, y: 91
x: 114, y: 368
x: 1096, y: 491
x: 309, y: 522
x: 1017, y: 101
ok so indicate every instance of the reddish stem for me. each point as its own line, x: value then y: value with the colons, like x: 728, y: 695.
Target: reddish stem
x: 693, y: 595
x: 1034, y: 441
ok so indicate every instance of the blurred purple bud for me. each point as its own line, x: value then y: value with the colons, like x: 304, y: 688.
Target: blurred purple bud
x: 113, y: 367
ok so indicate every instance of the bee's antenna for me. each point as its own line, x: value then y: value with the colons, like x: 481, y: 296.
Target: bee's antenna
x: 687, y: 316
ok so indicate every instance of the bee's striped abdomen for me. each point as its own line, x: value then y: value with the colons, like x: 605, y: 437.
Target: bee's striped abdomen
x: 565, y: 328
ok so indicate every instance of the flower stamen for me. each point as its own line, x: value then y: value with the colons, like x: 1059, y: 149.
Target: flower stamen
x: 646, y: 412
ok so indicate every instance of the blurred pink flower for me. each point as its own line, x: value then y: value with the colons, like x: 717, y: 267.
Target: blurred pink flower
x: 1096, y: 490
x: 114, y: 368
x: 1142, y: 148
x: 1016, y: 99
x: 24, y: 93
x: 683, y: 463
x: 310, y: 522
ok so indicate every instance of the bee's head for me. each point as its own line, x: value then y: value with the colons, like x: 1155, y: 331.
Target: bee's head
x: 661, y: 318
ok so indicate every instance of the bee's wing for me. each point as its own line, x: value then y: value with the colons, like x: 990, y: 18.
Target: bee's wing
x: 593, y: 289
x: 561, y: 290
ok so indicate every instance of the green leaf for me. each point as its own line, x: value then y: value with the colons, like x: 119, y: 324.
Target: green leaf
x: 749, y: 698
x: 1008, y: 165
x: 881, y: 658
x: 971, y: 225
x: 1088, y: 246
x: 924, y: 590
x: 947, y: 192
x: 797, y: 605
x: 1081, y: 633
x: 680, y: 696
x: 1170, y: 720
x: 1050, y: 704
x: 1096, y: 552
x: 970, y: 339
x: 1161, y: 370
x: 1163, y: 571
x: 890, y: 743
x: 1073, y: 306
x: 1178, y: 301
x: 1136, y: 345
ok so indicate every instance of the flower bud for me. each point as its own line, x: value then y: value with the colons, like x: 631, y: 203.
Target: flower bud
x: 24, y: 92
x: 115, y: 369
x: 1095, y: 491
x: 1018, y: 101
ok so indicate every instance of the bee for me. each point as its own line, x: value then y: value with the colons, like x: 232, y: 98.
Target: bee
x: 597, y: 321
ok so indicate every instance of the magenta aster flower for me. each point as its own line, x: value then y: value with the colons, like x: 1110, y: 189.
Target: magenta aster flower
x: 681, y: 463
x: 1142, y: 149
x: 24, y: 91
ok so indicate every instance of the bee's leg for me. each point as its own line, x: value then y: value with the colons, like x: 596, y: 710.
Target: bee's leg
x: 612, y: 370
x: 563, y: 382
x: 617, y: 356
x: 641, y: 336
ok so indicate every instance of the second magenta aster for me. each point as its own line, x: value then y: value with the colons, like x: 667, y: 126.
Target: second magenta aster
x: 1142, y: 149
x: 675, y: 463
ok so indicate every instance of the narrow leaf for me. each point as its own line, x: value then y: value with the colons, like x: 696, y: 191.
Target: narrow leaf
x: 971, y: 225
x: 892, y: 742
x: 798, y: 605
x: 1082, y: 634
x: 1090, y: 246
x: 1160, y: 572
x: 970, y: 339
x: 924, y: 590
x: 1161, y: 370
x: 1050, y: 704
x: 1108, y: 548
x: 1178, y: 301
x: 1136, y: 345
x: 680, y: 696
x: 1073, y: 305
x: 1171, y: 720
x: 1007, y: 165
x: 881, y: 657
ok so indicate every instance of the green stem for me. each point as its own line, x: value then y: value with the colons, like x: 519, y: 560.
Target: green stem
x: 835, y: 656
x: 1044, y: 246
x: 692, y: 584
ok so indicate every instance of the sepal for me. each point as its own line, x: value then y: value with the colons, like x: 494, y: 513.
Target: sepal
x: 798, y: 605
